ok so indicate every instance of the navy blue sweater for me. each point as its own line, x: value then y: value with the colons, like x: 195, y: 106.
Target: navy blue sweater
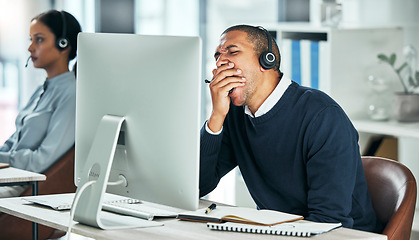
x: 301, y: 157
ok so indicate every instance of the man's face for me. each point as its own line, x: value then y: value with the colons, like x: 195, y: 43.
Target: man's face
x: 235, y: 48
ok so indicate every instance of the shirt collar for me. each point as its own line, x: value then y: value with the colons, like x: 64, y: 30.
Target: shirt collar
x: 273, y: 98
x: 58, y: 79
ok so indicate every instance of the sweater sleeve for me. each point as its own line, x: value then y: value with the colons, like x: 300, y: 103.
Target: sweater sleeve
x: 333, y: 158
x: 215, y: 160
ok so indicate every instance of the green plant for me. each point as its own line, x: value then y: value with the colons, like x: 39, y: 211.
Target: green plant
x: 413, y: 80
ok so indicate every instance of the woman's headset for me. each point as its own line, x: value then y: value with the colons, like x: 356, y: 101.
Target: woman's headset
x: 62, y: 42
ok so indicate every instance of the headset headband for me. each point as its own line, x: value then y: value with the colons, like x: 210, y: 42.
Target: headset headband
x: 62, y: 42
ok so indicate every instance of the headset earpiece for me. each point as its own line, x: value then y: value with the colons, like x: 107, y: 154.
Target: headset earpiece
x: 267, y: 59
x: 62, y: 42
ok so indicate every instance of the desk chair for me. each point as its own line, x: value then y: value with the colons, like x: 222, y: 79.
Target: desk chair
x: 60, y: 179
x: 393, y: 193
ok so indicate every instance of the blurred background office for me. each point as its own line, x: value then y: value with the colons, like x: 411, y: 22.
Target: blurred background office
x: 206, y: 18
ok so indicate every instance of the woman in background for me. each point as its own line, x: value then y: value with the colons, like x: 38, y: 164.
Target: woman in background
x: 45, y: 127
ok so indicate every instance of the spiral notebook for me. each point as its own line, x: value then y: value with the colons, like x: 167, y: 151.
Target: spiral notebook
x: 298, y: 229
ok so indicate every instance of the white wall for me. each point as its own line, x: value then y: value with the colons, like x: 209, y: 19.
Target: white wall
x: 404, y: 13
x: 15, y: 17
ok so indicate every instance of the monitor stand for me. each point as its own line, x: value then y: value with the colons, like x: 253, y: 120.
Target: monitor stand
x: 88, y: 210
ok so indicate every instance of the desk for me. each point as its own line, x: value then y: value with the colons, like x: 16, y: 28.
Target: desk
x: 172, y: 229
x: 13, y: 176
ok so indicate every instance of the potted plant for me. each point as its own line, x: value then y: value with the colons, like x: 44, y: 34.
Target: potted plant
x: 406, y: 103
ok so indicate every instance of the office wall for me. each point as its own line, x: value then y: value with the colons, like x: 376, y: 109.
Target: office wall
x: 15, y: 18
x: 402, y: 13
x: 167, y: 17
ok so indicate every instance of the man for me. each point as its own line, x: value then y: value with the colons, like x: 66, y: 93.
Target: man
x: 295, y: 147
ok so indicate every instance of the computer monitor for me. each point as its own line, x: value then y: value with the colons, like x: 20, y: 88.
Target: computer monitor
x: 137, y: 118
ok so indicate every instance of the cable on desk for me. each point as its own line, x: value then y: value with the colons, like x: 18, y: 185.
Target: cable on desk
x: 122, y: 180
x: 74, y: 205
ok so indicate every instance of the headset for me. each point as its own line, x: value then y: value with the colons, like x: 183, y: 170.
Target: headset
x: 267, y: 59
x: 62, y: 42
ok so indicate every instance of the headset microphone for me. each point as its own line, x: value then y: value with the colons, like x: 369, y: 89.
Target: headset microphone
x: 27, y: 61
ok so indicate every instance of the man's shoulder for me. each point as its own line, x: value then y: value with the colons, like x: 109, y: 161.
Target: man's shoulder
x: 310, y: 96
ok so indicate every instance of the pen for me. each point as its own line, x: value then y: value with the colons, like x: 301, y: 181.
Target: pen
x: 210, y: 208
x: 207, y: 81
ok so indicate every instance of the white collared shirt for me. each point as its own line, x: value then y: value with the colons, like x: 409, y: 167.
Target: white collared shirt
x: 267, y: 105
x: 273, y: 98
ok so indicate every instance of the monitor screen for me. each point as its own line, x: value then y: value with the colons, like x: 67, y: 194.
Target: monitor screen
x: 150, y: 86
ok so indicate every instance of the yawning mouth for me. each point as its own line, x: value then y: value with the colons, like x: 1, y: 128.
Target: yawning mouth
x: 232, y: 90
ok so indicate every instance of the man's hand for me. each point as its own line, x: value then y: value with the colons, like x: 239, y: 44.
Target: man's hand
x: 225, y: 78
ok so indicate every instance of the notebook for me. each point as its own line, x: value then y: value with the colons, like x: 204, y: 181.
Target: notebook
x: 299, y: 229
x: 65, y: 200
x: 239, y: 215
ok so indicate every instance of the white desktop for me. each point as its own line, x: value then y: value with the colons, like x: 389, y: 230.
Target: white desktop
x: 137, y: 120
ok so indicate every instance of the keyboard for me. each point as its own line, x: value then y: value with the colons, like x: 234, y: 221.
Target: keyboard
x: 139, y: 210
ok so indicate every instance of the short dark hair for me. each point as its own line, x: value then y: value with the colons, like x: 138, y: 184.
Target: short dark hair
x: 257, y: 37
x: 54, y: 21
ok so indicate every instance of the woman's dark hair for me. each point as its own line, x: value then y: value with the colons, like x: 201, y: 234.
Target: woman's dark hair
x: 53, y: 19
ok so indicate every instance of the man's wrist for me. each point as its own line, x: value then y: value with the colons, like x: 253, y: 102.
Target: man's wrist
x: 210, y: 131
x: 215, y: 123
